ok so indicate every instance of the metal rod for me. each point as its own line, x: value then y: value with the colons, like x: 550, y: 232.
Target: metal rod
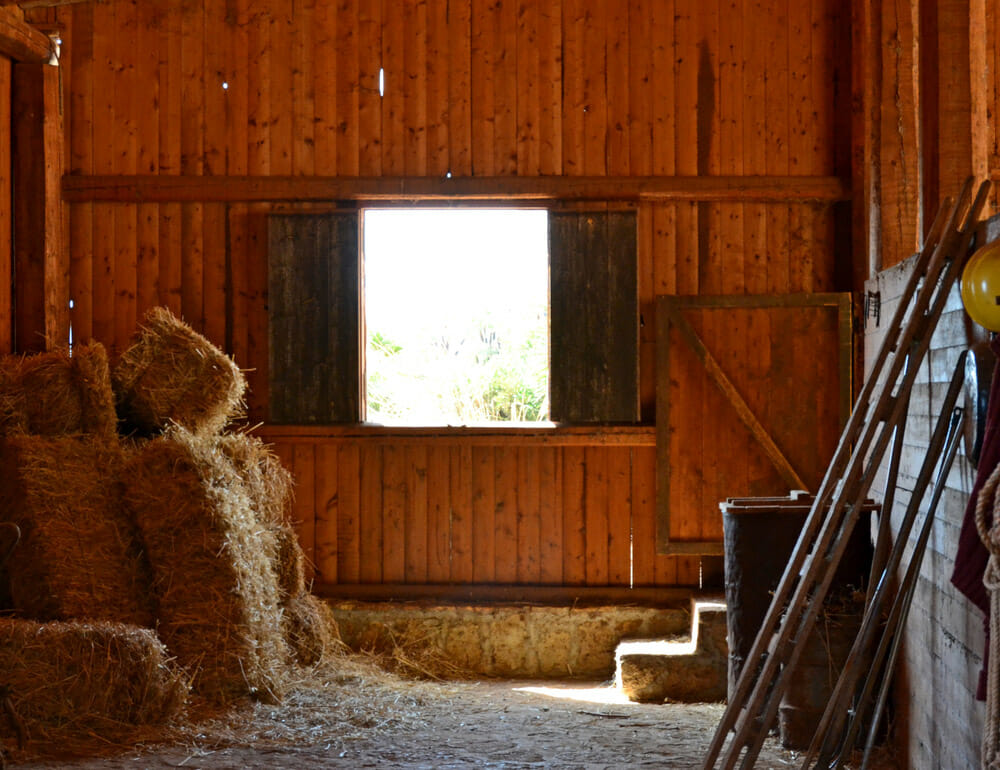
x: 832, y: 722
x: 905, y: 600
x: 884, y: 536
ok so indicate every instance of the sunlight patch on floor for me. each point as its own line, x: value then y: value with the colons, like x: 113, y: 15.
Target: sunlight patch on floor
x: 602, y: 694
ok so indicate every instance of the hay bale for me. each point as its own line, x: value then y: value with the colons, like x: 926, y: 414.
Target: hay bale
x: 69, y: 680
x: 289, y: 562
x: 268, y: 483
x: 172, y: 374
x: 217, y: 595
x: 58, y: 394
x: 310, y: 629
x: 79, y: 554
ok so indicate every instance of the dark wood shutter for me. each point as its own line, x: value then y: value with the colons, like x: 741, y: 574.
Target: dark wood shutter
x: 313, y: 312
x: 594, y: 334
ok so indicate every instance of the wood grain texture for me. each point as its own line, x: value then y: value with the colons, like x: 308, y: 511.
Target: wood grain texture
x: 21, y: 42
x: 704, y: 454
x: 594, y: 317
x: 40, y: 263
x: 718, y: 120
x: 313, y: 338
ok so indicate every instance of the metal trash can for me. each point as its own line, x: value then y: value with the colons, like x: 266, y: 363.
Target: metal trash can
x: 760, y: 534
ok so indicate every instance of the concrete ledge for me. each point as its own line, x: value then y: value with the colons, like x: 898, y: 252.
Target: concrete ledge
x: 515, y: 641
x: 694, y: 671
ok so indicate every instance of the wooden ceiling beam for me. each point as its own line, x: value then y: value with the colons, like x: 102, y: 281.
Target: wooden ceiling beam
x: 22, y: 42
x: 26, y: 4
x: 172, y: 188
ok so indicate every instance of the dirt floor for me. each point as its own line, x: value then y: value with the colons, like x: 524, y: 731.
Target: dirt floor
x: 351, y: 714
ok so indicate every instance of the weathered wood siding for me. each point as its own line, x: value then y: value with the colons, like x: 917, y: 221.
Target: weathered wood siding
x: 938, y: 722
x: 313, y: 288
x: 474, y: 88
x: 593, y: 317
x: 784, y: 392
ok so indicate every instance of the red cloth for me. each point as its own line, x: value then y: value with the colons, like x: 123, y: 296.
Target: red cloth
x: 972, y: 556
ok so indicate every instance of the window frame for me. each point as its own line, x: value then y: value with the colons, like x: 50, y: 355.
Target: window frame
x: 580, y: 279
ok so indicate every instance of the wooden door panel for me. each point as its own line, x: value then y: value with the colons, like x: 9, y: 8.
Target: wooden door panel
x: 751, y: 394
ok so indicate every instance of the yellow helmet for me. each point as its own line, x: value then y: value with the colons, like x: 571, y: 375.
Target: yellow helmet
x: 981, y: 286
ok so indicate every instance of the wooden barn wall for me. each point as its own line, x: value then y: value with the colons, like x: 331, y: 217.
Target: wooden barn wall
x: 474, y: 88
x: 452, y: 510
x: 931, y: 84
x: 930, y: 80
x: 938, y: 720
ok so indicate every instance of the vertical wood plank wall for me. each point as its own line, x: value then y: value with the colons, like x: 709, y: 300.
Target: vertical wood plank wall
x: 434, y: 510
x: 931, y: 90
x: 938, y: 719
x: 532, y: 87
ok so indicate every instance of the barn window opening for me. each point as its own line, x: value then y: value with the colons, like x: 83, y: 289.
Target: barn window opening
x: 456, y: 313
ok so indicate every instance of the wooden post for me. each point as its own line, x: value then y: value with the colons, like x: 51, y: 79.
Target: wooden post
x: 866, y: 159
x: 954, y: 78
x: 6, y: 211
x: 41, y: 269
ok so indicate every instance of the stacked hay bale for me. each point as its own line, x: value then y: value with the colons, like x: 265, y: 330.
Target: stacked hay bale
x: 217, y: 594
x: 177, y: 526
x: 71, y: 679
x: 310, y: 628
x: 78, y: 560
x: 227, y: 589
x: 78, y: 556
x: 173, y: 375
x: 58, y: 394
x: 308, y: 623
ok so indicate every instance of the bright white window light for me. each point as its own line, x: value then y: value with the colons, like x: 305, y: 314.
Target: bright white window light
x: 456, y: 316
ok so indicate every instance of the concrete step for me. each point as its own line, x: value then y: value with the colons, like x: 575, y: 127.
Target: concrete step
x: 689, y: 670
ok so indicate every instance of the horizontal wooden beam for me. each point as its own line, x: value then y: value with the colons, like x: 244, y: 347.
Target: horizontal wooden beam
x: 22, y: 42
x: 576, y: 596
x: 162, y: 188
x: 640, y: 435
x: 26, y: 4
